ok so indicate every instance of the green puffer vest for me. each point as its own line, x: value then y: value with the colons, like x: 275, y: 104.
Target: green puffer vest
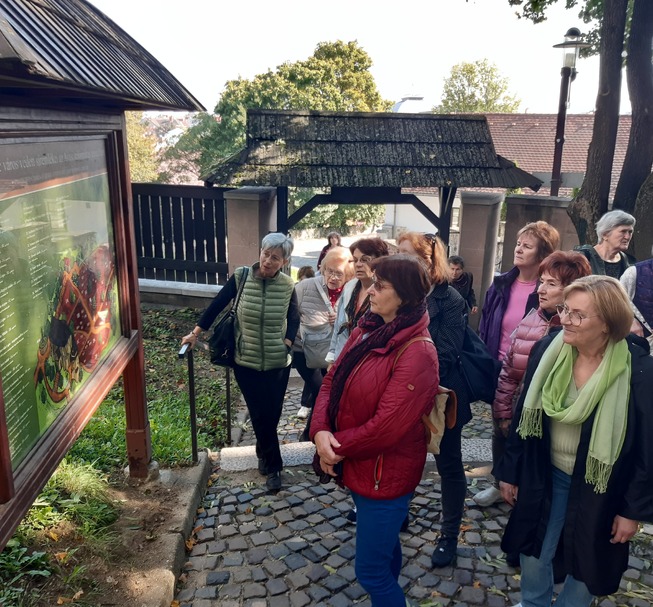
x: 262, y: 320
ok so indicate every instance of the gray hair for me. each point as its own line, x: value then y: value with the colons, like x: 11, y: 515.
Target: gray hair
x: 277, y: 240
x: 611, y: 220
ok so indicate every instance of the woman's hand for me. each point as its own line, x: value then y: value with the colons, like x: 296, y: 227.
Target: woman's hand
x: 332, y: 318
x: 191, y: 338
x: 324, y: 445
x: 637, y: 328
x: 623, y: 529
x: 509, y: 492
x: 504, y: 426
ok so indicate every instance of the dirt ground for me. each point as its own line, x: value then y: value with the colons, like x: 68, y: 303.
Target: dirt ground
x: 134, y: 568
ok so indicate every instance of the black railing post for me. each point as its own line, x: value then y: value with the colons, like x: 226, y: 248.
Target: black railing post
x: 186, y: 351
x: 228, y: 394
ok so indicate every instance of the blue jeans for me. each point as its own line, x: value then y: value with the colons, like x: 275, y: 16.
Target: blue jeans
x: 378, y: 549
x: 537, y: 574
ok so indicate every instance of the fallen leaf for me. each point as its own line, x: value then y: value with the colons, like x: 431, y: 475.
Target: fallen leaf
x: 61, y: 556
x: 53, y: 536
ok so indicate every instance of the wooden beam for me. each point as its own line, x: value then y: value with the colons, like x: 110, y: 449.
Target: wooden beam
x: 282, y: 210
x: 305, y: 209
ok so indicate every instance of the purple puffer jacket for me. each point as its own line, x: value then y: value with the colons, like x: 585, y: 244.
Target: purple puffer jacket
x: 533, y: 327
x: 495, y: 306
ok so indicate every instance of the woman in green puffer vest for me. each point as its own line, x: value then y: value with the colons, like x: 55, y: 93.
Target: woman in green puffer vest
x: 267, y: 323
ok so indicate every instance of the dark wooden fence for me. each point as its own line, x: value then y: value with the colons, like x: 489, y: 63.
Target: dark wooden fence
x: 180, y: 233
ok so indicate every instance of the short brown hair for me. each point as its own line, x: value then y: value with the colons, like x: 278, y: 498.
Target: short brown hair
x: 432, y: 250
x: 548, y: 238
x: 374, y: 247
x: 408, y: 276
x: 566, y: 266
x: 339, y: 255
x: 610, y: 300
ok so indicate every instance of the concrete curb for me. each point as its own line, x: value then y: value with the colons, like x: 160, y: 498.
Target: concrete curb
x: 191, y: 483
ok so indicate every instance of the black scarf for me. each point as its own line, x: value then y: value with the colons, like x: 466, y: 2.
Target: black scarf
x: 353, y: 315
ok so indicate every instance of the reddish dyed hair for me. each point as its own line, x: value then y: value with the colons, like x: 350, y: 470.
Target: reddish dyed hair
x: 566, y: 266
x: 431, y: 249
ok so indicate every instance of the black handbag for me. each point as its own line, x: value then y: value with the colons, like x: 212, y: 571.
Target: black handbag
x: 222, y: 344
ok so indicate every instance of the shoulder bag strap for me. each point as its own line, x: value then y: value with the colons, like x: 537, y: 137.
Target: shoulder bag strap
x: 243, y: 278
x: 325, y: 298
x: 410, y: 341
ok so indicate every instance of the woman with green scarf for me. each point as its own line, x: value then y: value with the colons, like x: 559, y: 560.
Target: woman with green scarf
x: 578, y: 467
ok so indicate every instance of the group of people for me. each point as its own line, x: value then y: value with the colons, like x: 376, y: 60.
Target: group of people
x: 375, y: 336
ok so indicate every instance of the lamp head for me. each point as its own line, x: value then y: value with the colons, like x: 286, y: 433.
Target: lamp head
x: 571, y: 48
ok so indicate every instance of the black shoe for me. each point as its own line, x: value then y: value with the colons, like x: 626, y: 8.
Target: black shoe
x: 404, y: 525
x: 262, y: 468
x: 274, y: 481
x: 351, y: 515
x: 512, y: 559
x: 445, y: 551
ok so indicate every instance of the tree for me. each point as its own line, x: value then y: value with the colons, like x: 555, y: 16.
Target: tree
x: 335, y: 78
x: 141, y: 146
x: 475, y: 88
x: 617, y: 24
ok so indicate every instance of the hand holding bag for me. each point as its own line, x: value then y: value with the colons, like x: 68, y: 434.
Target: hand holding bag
x: 222, y: 344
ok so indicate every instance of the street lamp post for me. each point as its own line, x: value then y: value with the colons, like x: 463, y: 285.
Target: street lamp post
x: 571, y: 49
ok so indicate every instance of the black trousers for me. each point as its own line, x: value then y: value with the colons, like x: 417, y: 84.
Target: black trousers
x: 454, y: 483
x: 312, y: 378
x: 264, y: 392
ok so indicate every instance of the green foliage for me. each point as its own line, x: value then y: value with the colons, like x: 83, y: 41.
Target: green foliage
x: 589, y: 11
x: 336, y: 77
x: 474, y: 88
x: 76, y: 492
x: 19, y: 571
x: 143, y: 157
x: 342, y: 218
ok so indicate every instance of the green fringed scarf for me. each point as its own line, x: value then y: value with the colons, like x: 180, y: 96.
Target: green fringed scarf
x: 608, y: 391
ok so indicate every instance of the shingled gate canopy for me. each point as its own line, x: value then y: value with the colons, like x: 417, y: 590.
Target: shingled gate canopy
x: 367, y: 158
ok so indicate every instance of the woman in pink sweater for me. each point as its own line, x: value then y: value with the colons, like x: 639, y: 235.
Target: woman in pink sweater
x: 557, y: 271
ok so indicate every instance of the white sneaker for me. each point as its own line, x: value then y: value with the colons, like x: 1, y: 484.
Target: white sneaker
x: 487, y: 497
x: 303, y: 412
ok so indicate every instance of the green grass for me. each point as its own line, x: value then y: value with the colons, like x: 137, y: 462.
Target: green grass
x: 77, y: 494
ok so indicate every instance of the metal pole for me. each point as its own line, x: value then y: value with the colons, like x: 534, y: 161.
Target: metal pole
x: 228, y: 392
x: 566, y: 78
x: 186, y: 351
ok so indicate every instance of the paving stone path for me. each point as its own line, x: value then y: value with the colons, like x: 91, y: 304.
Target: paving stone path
x: 296, y: 548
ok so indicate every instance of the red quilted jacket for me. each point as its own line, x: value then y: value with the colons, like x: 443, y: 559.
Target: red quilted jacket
x: 379, y: 422
x: 532, y: 328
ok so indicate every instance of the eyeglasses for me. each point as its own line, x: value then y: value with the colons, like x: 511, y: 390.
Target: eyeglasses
x: 364, y: 259
x: 379, y: 285
x: 574, y: 317
x: 333, y: 273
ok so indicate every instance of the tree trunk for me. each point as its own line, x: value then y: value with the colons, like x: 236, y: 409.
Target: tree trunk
x: 644, y: 225
x: 639, y: 75
x: 592, y: 200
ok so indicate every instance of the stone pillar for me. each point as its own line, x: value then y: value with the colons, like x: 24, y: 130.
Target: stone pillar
x: 523, y: 209
x: 479, y: 227
x: 251, y: 214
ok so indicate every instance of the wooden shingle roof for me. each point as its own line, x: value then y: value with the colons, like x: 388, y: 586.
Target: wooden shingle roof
x: 69, y: 51
x: 356, y: 149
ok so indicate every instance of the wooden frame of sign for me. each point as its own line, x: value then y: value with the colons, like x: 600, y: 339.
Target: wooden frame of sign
x: 69, y: 306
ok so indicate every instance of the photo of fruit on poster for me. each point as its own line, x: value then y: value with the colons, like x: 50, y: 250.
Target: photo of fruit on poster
x: 59, y: 312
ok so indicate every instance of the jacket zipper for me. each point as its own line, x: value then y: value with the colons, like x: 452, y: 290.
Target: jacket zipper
x: 378, y: 471
x: 262, y: 332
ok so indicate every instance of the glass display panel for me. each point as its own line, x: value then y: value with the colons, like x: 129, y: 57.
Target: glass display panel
x: 59, y: 312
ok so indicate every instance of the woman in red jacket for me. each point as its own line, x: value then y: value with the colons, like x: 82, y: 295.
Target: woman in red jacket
x: 557, y: 271
x: 367, y: 418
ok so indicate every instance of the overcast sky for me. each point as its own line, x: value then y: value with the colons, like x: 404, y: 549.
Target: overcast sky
x: 413, y: 43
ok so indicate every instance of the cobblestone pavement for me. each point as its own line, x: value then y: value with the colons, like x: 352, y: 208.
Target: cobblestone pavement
x: 296, y: 548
